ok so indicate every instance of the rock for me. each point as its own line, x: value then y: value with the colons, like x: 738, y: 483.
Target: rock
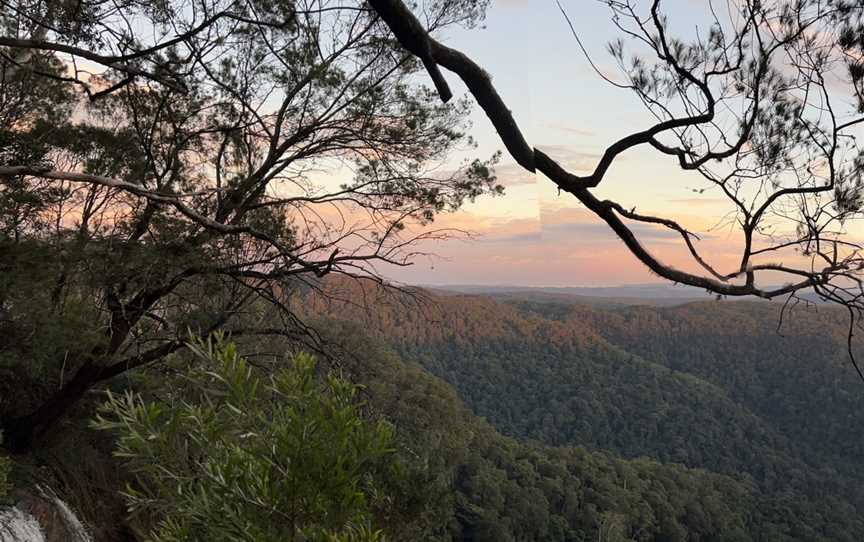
x: 19, y: 526
x: 40, y: 516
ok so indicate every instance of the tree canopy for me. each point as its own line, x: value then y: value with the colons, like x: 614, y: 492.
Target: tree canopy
x: 167, y: 166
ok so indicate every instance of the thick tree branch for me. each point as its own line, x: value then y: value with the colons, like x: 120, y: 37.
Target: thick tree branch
x: 480, y: 86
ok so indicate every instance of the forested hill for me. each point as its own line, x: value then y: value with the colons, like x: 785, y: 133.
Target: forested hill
x: 711, y: 384
x: 793, y: 373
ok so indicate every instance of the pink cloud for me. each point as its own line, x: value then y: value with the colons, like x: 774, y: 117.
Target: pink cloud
x: 565, y: 246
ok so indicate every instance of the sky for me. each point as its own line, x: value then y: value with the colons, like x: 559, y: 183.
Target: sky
x: 533, y: 236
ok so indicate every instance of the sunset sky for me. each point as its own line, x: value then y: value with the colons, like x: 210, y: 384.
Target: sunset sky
x: 533, y: 236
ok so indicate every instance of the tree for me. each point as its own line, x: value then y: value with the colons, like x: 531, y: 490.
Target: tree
x: 752, y: 104
x: 611, y: 528
x: 184, y: 165
x: 226, y: 453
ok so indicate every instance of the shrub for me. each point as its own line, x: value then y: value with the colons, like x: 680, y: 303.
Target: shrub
x: 226, y: 453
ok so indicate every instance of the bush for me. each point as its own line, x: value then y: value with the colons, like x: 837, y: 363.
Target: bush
x: 228, y: 454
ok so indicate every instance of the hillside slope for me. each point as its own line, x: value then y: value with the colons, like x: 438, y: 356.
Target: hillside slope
x: 709, y: 385
x: 490, y: 487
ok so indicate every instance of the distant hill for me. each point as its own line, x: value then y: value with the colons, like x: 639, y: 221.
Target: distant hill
x: 633, y: 291
x: 658, y: 295
x: 648, y: 294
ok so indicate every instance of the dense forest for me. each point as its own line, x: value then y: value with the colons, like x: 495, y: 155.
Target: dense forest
x: 771, y: 409
x: 526, y: 420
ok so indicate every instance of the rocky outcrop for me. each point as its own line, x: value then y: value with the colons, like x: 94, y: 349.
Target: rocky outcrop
x: 40, y: 516
x: 17, y: 525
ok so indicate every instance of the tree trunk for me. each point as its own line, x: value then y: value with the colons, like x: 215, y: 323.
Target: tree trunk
x: 22, y: 433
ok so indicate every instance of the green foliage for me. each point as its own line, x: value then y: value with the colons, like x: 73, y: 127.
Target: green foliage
x: 42, y: 332
x: 228, y: 454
